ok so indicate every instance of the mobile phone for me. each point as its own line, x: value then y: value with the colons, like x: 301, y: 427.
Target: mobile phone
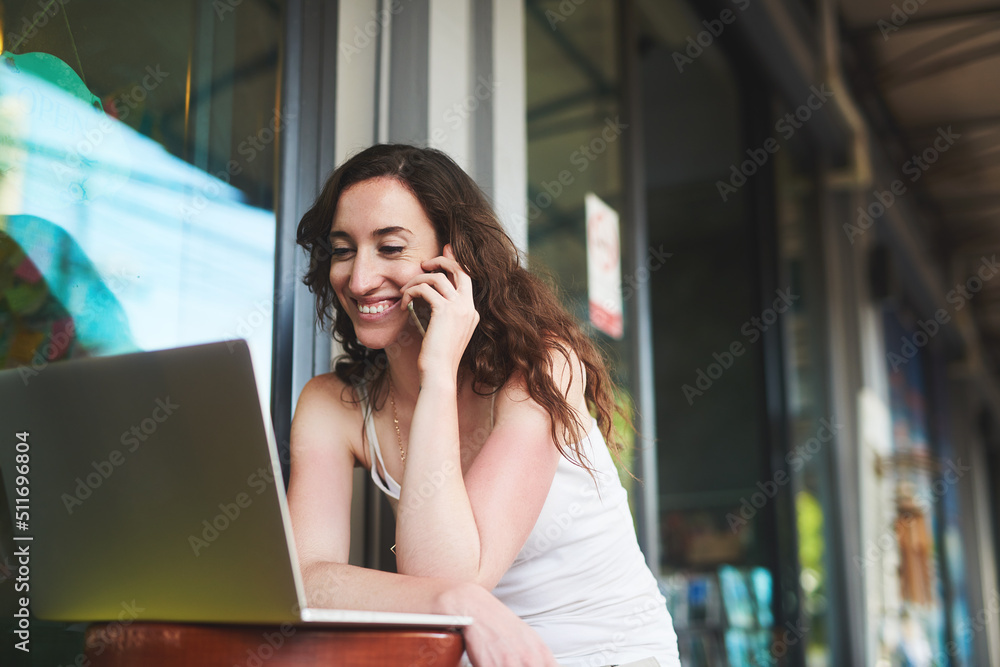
x: 420, y: 313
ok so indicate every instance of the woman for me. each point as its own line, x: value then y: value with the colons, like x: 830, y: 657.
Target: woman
x: 479, y: 430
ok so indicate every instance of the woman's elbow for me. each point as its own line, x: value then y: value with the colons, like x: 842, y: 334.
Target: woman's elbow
x: 322, y: 580
x: 449, y: 570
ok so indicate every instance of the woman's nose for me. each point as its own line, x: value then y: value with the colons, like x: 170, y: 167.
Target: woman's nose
x: 364, y: 274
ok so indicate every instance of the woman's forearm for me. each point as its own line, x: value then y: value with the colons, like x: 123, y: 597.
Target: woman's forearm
x: 436, y: 531
x: 497, y: 637
x: 342, y: 586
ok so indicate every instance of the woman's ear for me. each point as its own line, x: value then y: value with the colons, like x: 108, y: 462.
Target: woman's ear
x: 450, y: 254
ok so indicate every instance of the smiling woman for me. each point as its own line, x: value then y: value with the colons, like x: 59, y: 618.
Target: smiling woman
x: 507, y: 491
x: 370, y: 263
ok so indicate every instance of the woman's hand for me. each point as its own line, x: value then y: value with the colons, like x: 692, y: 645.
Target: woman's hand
x: 497, y: 637
x: 447, y: 289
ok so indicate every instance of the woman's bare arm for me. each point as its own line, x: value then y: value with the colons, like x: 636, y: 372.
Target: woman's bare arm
x: 319, y: 496
x: 471, y: 527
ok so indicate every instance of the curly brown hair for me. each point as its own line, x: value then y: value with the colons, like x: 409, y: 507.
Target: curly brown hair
x: 522, y: 321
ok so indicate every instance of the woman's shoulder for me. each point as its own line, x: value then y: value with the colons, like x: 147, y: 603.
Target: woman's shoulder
x: 329, y: 411
x: 329, y: 388
x: 563, y: 365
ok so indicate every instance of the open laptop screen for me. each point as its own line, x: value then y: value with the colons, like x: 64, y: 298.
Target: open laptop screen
x: 152, y: 482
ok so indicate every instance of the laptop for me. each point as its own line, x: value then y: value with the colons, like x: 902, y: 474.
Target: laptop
x: 154, y: 485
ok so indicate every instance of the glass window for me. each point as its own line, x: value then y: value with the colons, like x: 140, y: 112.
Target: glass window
x: 137, y: 189
x: 921, y: 531
x: 811, y: 426
x: 575, y: 151
x: 138, y: 175
x: 716, y: 492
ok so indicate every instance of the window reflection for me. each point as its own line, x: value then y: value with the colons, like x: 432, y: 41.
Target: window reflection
x: 136, y: 179
x: 575, y: 150
x: 716, y: 495
x: 811, y: 426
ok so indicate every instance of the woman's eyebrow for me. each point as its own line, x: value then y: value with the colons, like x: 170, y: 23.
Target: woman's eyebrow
x: 381, y: 231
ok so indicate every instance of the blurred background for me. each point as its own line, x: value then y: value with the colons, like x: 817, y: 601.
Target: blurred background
x: 779, y: 218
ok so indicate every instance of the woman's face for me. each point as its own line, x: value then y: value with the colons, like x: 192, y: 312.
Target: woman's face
x: 380, y: 235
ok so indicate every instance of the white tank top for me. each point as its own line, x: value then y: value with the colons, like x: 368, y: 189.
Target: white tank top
x: 580, y: 580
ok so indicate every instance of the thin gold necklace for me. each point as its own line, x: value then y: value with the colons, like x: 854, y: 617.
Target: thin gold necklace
x: 399, y: 438
x: 395, y: 422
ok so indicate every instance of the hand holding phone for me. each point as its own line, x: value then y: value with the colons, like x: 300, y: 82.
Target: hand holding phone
x: 445, y: 284
x: 421, y: 321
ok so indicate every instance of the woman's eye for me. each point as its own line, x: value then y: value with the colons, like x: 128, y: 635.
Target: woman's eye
x: 338, y: 253
x: 392, y: 249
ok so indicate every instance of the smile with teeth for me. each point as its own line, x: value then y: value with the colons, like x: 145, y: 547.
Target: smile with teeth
x: 374, y: 309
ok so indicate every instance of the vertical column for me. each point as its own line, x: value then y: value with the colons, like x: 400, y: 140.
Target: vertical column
x: 300, y: 351
x: 362, y: 28
x: 450, y: 104
x: 408, y: 73
x: 846, y: 401
x: 509, y: 126
x: 981, y: 560
x: 636, y: 240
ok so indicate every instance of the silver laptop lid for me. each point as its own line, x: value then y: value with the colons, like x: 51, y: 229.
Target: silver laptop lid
x: 154, y: 482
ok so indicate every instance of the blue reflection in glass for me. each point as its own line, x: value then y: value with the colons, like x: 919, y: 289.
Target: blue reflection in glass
x: 141, y: 249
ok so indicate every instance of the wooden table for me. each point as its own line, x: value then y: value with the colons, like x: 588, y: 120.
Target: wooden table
x: 188, y: 645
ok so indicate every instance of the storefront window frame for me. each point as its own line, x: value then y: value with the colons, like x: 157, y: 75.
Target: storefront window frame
x: 301, y: 350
